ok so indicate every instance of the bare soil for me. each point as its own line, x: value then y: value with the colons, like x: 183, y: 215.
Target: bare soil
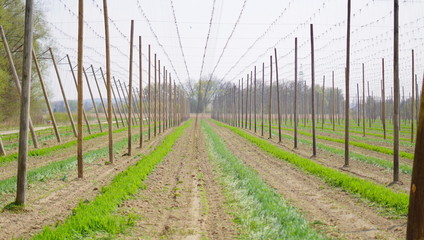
x: 328, y: 209
x: 182, y: 200
x: 51, y: 202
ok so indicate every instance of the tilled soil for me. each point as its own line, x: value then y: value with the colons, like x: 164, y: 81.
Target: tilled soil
x: 329, y: 209
x: 51, y: 202
x: 182, y: 200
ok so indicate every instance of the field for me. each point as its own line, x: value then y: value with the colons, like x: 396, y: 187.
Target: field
x: 208, y: 180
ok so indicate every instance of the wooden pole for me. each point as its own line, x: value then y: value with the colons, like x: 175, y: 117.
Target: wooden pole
x: 323, y: 103
x: 155, y: 98
x: 140, y: 73
x: 92, y: 100
x: 80, y: 86
x: 250, y: 101
x: 295, y: 93
x: 148, y: 93
x: 247, y: 102
x: 262, y: 99
x: 100, y: 93
x: 333, y: 102
x: 2, y: 151
x: 347, y: 77
x: 314, y: 141
x: 363, y: 100
x: 18, y: 85
x: 43, y: 88
x: 120, y: 100
x: 270, y: 98
x: 369, y: 105
x: 108, y: 83
x: 278, y: 96
x: 130, y: 89
x: 68, y: 110
x: 254, y: 102
x: 396, y: 93
x: 413, y: 98
x: 163, y: 98
x: 159, y: 100
x: 76, y: 86
x: 358, y: 105
x: 415, y: 226
x: 383, y: 101
x: 242, y: 104
x: 25, y: 106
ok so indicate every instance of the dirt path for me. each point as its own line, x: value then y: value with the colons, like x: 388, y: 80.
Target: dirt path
x: 52, y: 201
x: 329, y: 209
x: 182, y: 199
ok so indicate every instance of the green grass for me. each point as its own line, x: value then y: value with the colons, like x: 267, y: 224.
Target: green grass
x: 264, y: 214
x: 367, y: 146
x: 387, y: 199
x: 48, y: 150
x: 89, y: 219
x: 362, y: 158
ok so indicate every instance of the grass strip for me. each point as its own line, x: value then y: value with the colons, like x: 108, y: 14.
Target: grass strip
x: 52, y: 169
x: 389, y: 200
x: 98, y: 216
x: 48, y: 150
x: 362, y: 158
x: 264, y: 214
x: 356, y: 144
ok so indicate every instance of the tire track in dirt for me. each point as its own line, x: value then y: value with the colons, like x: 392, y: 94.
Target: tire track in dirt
x: 52, y: 201
x: 182, y: 199
x: 329, y: 209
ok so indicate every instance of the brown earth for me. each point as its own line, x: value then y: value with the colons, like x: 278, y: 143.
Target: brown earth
x: 182, y: 200
x: 328, y: 209
x: 51, y: 202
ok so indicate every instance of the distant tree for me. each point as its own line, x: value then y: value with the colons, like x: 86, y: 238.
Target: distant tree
x: 208, y: 87
x: 12, y: 19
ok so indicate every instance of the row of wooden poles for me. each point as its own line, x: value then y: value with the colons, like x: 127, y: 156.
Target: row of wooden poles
x: 236, y: 102
x: 161, y: 104
x: 233, y: 105
x: 168, y: 101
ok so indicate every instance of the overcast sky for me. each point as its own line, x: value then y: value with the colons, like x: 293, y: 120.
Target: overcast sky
x: 262, y: 25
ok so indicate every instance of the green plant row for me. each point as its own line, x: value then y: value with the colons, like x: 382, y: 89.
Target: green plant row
x: 363, y: 158
x: 98, y: 216
x: 356, y: 144
x: 52, y: 169
x: 48, y: 150
x: 375, y: 193
x: 264, y: 214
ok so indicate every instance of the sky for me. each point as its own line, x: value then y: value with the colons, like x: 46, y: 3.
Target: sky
x: 229, y: 38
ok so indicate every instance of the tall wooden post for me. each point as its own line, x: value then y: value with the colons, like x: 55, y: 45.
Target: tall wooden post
x: 155, y: 98
x: 295, y: 93
x: 250, y: 101
x: 80, y: 86
x: 363, y: 100
x: 18, y: 85
x: 68, y: 110
x: 108, y: 83
x: 413, y: 98
x: 25, y: 106
x: 159, y: 101
x: 76, y: 86
x: 333, y: 102
x: 140, y: 73
x: 323, y: 103
x: 278, y: 95
x: 247, y: 102
x: 347, y: 77
x: 130, y: 89
x: 120, y: 100
x: 148, y: 93
x: 262, y: 99
x: 396, y: 93
x: 314, y: 140
x: 92, y: 100
x: 270, y: 97
x: 254, y: 101
x: 383, y: 101
x: 242, y: 104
